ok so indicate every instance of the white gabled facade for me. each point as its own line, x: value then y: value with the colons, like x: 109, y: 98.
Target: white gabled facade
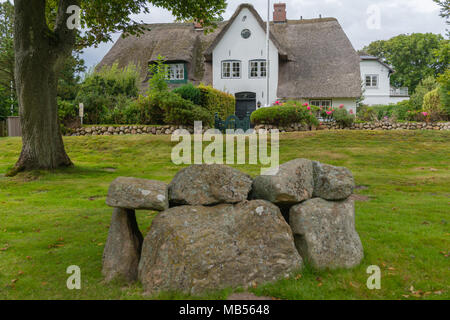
x: 375, y: 77
x: 233, y: 47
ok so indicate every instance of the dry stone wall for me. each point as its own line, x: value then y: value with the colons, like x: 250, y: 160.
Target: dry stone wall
x: 169, y: 129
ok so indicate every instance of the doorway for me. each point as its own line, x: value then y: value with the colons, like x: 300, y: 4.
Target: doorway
x: 245, y: 103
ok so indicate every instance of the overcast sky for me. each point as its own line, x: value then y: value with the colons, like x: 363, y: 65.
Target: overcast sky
x: 357, y: 17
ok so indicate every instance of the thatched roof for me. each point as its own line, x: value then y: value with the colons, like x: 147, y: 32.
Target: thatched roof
x: 316, y: 58
x: 174, y: 41
x: 324, y: 63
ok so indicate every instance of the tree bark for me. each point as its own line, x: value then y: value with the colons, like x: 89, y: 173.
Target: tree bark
x: 39, y: 52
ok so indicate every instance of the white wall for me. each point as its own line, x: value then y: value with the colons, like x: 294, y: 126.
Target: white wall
x: 349, y: 103
x: 384, y: 100
x: 382, y: 94
x: 233, y: 47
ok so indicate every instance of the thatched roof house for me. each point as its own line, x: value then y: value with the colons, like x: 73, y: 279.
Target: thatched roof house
x: 311, y: 60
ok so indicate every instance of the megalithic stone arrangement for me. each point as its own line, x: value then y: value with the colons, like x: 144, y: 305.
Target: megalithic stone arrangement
x: 220, y: 228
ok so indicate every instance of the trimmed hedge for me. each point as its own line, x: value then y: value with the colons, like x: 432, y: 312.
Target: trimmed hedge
x: 216, y: 101
x: 180, y: 111
x: 284, y: 115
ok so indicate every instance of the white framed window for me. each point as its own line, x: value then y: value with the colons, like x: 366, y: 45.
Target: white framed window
x: 321, y: 103
x: 371, y: 81
x: 175, y: 71
x: 231, y: 69
x: 258, y: 69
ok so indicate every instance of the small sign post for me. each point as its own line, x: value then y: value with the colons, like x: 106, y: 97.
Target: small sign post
x: 81, y: 114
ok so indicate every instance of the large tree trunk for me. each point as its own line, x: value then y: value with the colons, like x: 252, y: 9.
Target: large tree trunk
x: 39, y: 52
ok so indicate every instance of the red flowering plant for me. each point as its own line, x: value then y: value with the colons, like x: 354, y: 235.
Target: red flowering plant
x: 341, y: 116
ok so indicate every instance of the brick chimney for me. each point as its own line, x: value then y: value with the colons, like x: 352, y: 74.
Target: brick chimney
x: 198, y: 25
x: 279, y: 13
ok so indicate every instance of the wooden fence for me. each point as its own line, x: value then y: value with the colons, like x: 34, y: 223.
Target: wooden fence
x: 14, y: 128
x: 3, y: 129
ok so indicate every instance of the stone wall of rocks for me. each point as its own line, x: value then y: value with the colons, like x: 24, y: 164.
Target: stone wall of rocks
x: 219, y: 228
x: 123, y: 130
x: 385, y: 125
x: 169, y: 129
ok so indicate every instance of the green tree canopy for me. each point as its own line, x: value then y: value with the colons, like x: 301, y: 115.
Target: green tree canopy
x: 412, y: 56
x: 7, y: 45
x: 44, y: 39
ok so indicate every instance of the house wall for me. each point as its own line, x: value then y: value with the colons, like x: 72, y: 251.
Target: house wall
x: 349, y: 103
x: 233, y: 47
x: 384, y: 100
x: 382, y: 94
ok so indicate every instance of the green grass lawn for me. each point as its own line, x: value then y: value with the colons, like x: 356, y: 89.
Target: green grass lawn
x: 49, y: 221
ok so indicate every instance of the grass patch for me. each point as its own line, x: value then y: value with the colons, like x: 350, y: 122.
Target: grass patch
x: 51, y: 220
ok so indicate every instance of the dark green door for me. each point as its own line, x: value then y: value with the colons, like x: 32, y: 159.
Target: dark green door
x: 245, y: 102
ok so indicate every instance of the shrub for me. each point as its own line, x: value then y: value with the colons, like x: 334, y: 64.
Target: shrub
x: 95, y: 105
x: 106, y: 93
x: 343, y: 117
x: 426, y: 85
x: 432, y: 102
x: 190, y: 92
x: 180, y: 111
x: 216, y: 101
x: 115, y: 80
x: 158, y: 74
x: 444, y: 92
x: 383, y: 111
x: 145, y: 110
x: 289, y: 113
x: 117, y: 114
x: 401, y: 109
x: 68, y: 115
x: 366, y: 113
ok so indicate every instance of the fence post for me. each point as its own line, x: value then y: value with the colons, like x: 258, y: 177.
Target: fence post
x: 3, y: 132
x: 14, y: 128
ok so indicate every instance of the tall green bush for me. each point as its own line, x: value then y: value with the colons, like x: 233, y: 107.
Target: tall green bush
x: 190, y: 92
x: 216, y: 101
x: 401, y: 109
x: 180, y: 111
x: 106, y: 93
x: 426, y: 85
x: 343, y: 117
x: 115, y: 80
x: 444, y: 91
x: 432, y: 102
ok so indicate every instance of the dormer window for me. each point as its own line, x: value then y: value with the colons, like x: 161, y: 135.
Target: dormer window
x: 175, y: 72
